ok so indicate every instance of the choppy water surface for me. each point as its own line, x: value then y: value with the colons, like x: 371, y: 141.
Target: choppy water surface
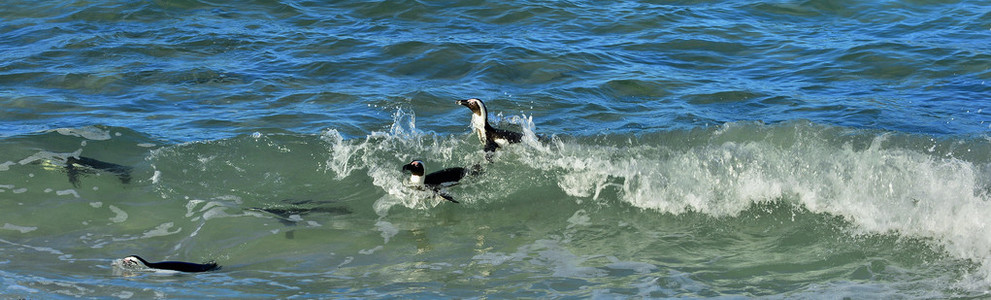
x: 815, y: 149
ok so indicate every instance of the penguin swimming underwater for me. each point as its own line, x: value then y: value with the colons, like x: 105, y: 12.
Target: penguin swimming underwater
x: 440, y: 179
x: 76, y: 165
x: 490, y: 136
x: 135, y: 261
x: 288, y: 210
x: 84, y: 165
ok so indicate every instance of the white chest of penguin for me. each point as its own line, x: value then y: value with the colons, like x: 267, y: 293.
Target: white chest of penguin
x: 416, y: 180
x: 478, y: 125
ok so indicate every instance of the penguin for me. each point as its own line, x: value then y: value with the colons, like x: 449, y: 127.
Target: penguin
x: 288, y: 208
x: 135, y: 261
x: 437, y: 180
x: 491, y: 137
x: 74, y: 166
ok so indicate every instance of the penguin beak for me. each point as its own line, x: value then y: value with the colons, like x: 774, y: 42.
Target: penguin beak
x: 132, y: 261
x: 407, y: 168
x: 462, y: 102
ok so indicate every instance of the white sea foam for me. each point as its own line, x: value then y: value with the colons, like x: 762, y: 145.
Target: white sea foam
x: 156, y: 177
x: 88, y: 132
x: 388, y: 230
x: 67, y: 192
x: 341, y: 154
x: 370, y: 251
x: 119, y: 214
x: 46, y: 155
x: 879, y: 183
x: 546, y: 253
x: 161, y: 230
x: 877, y: 186
x: 39, y: 249
x: 215, y: 212
x: 21, y: 229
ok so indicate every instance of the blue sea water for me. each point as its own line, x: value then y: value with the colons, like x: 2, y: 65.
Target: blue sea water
x: 780, y: 149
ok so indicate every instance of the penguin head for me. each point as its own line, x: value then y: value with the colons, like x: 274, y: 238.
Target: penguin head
x: 415, y: 167
x: 475, y: 105
x: 133, y: 261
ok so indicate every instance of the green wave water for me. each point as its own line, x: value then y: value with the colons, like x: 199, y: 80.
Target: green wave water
x: 746, y: 209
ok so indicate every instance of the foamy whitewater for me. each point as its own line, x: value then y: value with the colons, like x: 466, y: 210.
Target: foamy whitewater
x: 735, y: 149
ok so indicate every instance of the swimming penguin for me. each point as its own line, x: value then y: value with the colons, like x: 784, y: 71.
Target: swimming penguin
x: 288, y: 211
x: 135, y: 261
x: 491, y: 137
x: 440, y: 179
x: 74, y: 166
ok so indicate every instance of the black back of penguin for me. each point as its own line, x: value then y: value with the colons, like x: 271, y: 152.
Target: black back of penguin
x: 437, y: 181
x: 443, y: 177
x: 180, y: 266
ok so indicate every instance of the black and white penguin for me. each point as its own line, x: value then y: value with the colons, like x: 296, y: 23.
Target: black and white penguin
x: 135, y: 261
x: 490, y: 136
x: 437, y: 180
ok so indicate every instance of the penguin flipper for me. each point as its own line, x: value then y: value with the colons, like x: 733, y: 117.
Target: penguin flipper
x: 491, y: 146
x: 73, y: 173
x: 445, y: 196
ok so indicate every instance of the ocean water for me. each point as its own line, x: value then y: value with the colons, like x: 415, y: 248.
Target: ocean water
x: 736, y: 149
